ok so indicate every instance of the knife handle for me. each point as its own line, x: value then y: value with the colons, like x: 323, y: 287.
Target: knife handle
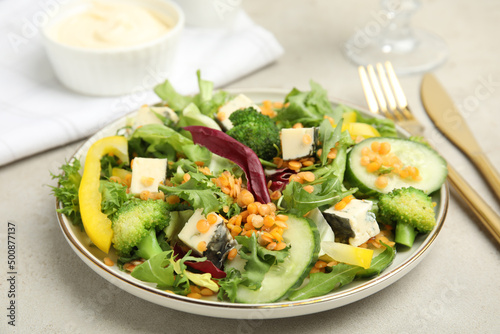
x: 489, y: 218
x: 489, y: 172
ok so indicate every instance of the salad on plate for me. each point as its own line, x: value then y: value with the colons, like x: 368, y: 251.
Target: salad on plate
x: 216, y: 196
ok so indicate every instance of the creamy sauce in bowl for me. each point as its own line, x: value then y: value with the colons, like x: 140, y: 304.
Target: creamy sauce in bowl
x: 108, y: 25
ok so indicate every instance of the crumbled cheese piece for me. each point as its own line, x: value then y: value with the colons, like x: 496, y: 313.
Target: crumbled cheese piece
x: 239, y: 102
x: 297, y: 143
x: 147, y: 174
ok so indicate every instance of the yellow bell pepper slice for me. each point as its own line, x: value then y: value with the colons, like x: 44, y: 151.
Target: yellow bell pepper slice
x: 347, y: 254
x: 120, y: 172
x: 97, y: 225
x: 349, y: 117
x: 360, y: 129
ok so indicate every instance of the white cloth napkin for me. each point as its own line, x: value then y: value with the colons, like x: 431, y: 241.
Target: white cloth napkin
x: 37, y: 113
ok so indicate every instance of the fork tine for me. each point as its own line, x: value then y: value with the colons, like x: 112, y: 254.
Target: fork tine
x: 388, y: 92
x: 378, y: 91
x: 370, y: 97
x: 402, y: 102
x: 373, y: 92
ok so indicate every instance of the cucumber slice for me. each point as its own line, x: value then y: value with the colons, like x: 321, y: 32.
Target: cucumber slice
x: 432, y: 167
x: 303, y: 237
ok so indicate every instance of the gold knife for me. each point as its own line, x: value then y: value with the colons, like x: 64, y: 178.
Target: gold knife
x: 448, y: 120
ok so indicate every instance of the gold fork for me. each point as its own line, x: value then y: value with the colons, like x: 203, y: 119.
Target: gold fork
x: 385, y: 96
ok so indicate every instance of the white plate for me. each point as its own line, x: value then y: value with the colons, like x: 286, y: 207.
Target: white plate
x: 359, y: 289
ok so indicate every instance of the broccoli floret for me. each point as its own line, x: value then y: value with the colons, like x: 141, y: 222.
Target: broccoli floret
x: 135, y: 225
x: 408, y: 206
x: 256, y: 131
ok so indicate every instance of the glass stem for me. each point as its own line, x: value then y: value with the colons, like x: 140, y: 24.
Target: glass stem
x: 397, y: 36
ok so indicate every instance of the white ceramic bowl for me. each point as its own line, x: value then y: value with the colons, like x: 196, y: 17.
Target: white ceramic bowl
x: 115, y: 71
x: 210, y: 13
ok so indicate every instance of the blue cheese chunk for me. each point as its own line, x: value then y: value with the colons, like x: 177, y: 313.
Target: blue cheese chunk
x: 354, y: 223
x: 218, y: 239
x: 239, y: 102
x: 149, y: 115
x: 147, y: 174
x: 297, y: 143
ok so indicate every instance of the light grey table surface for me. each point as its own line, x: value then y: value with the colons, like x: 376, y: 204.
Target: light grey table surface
x: 455, y: 289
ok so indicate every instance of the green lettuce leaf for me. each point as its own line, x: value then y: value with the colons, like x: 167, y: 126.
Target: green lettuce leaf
x: 173, y: 99
x: 198, y: 153
x: 166, y: 272
x: 207, y: 101
x: 157, y: 141
x: 384, y: 126
x: 308, y: 108
x: 200, y: 193
x: 157, y: 270
x: 191, y: 115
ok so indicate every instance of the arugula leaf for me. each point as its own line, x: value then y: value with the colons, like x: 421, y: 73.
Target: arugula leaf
x: 379, y: 263
x: 336, y: 169
x: 229, y: 284
x: 342, y: 274
x: 113, y: 195
x: 67, y: 192
x: 328, y: 136
x: 322, y: 283
x: 340, y: 161
x: 259, y: 260
x: 297, y: 201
